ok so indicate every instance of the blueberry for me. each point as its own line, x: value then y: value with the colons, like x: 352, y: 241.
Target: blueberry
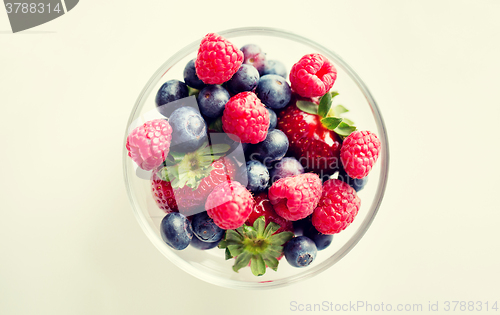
x: 253, y: 55
x: 205, y: 229
x: 212, y: 100
x: 272, y: 149
x: 288, y: 166
x: 170, y: 91
x: 274, y: 91
x: 273, y: 67
x: 258, y: 176
x: 300, y: 225
x: 189, y: 130
x: 356, y: 183
x: 190, y: 76
x: 300, y: 251
x: 273, y: 119
x: 322, y: 241
x: 176, y: 231
x: 245, y: 79
x: 196, y: 243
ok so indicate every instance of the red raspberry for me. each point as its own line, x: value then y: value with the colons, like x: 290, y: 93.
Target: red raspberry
x: 295, y: 197
x: 313, y: 75
x: 359, y: 153
x: 148, y: 145
x: 217, y: 60
x: 337, y: 208
x: 263, y: 207
x: 246, y: 117
x: 229, y: 205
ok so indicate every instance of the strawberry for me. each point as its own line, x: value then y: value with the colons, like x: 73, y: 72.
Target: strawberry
x: 315, y: 137
x: 191, y: 178
x: 263, y: 207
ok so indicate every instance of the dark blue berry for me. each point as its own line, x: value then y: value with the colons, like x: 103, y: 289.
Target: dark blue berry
x: 170, y: 91
x: 273, y: 67
x: 288, y: 166
x: 258, y: 176
x: 190, y: 76
x: 245, y: 79
x: 272, y: 149
x: 176, y: 231
x: 253, y: 55
x: 300, y: 225
x: 212, y: 99
x: 274, y: 91
x: 205, y: 229
x: 196, y: 243
x: 356, y: 183
x: 322, y: 241
x: 273, y: 119
x: 300, y: 251
x: 189, y: 130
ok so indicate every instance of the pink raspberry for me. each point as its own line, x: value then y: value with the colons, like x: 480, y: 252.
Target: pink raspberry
x: 359, y: 152
x: 313, y: 75
x: 217, y: 60
x: 337, y: 208
x: 246, y: 117
x: 295, y: 197
x: 148, y: 145
x: 229, y: 205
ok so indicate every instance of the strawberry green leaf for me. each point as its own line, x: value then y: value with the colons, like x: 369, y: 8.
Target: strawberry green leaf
x: 250, y: 231
x: 219, y: 148
x: 193, y: 91
x: 242, y: 261
x: 331, y: 123
x: 216, y: 125
x: 348, y: 121
x: 308, y: 107
x: 259, y: 225
x: 275, y: 250
x: 257, y: 265
x: 232, y: 235
x: 325, y: 103
x: 235, y: 250
x: 271, y: 262
x: 344, y: 129
x: 222, y: 244
x: 334, y: 93
x: 281, y: 238
x: 228, y: 255
x: 339, y: 110
x: 271, y: 228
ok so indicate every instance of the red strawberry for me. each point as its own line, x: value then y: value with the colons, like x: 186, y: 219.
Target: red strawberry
x: 190, y: 182
x: 263, y: 207
x: 313, y: 145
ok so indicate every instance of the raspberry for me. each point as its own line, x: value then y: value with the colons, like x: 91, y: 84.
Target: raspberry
x: 246, y: 117
x: 295, y: 197
x: 217, y: 59
x: 337, y: 208
x: 313, y: 75
x: 229, y: 205
x: 148, y: 145
x: 359, y: 153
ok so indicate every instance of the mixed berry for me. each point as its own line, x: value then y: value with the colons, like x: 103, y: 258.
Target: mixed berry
x: 295, y: 184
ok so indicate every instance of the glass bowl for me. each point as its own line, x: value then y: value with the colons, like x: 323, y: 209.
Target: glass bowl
x: 210, y: 265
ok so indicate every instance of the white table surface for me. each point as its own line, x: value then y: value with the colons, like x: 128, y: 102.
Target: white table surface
x: 70, y: 243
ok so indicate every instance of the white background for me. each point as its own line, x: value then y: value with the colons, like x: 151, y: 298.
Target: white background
x: 70, y: 244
